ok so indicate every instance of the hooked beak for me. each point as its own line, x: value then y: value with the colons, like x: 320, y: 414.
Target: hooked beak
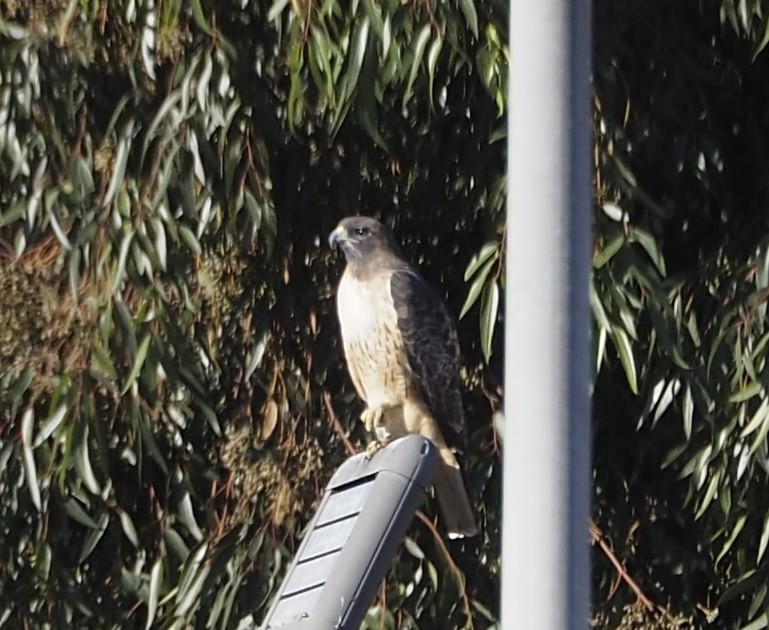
x: 336, y: 237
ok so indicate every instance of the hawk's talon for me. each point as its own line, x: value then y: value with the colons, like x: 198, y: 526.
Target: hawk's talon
x: 372, y: 448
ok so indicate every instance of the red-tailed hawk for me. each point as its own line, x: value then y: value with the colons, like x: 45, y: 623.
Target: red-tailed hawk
x: 403, y: 356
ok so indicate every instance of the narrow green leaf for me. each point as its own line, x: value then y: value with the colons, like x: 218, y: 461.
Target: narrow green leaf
x: 386, y: 37
x: 123, y: 203
x: 419, y: 50
x: 160, y: 242
x: 255, y: 546
x: 483, y: 610
x: 374, y: 13
x: 188, y: 237
x: 74, y: 272
x: 130, y: 582
x: 743, y: 461
x: 648, y: 242
x: 613, y: 211
x: 413, y: 548
x: 471, y: 15
x: 83, y: 459
x: 757, y: 602
x: 599, y: 313
x: 760, y: 438
x: 601, y: 349
x: 476, y: 287
x: 432, y: 61
x: 211, y: 418
x: 57, y: 229
x: 701, y: 463
x: 747, y: 392
x: 156, y: 583
x: 762, y: 267
x: 30, y: 469
x: 694, y: 331
x: 190, y: 596
x: 433, y: 573
x: 200, y: 18
x: 148, y: 439
x: 73, y: 508
x: 187, y: 516
x: 764, y: 41
x: 201, y: 89
x: 176, y: 543
x: 625, y: 352
x: 254, y: 210
x: 256, y: 355
x: 764, y: 538
x: 126, y: 522
x: 746, y: 582
x: 5, y: 454
x: 730, y: 541
x: 276, y: 9
x: 360, y: 43
x: 725, y: 499
x: 15, y: 213
x: 756, y: 420
x: 320, y: 57
x: 487, y: 251
x: 119, y: 271
x: 93, y: 537
x: 296, y: 97
x: 50, y: 425
x: 127, y: 325
x: 121, y: 160
x: 710, y: 493
x: 608, y: 252
x: 757, y: 624
x: 662, y: 396
x: 101, y: 361
x: 191, y: 566
x: 186, y: 86
x: 141, y: 355
x: 367, y: 105
x: 20, y: 387
x: 687, y: 412
x: 43, y: 561
x: 488, y: 318
x: 627, y: 318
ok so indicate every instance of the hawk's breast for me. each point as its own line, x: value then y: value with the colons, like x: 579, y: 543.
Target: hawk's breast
x: 373, y: 345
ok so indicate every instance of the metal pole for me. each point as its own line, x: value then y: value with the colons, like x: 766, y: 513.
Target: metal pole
x: 545, y: 559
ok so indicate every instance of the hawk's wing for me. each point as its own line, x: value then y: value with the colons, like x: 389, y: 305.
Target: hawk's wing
x: 432, y: 350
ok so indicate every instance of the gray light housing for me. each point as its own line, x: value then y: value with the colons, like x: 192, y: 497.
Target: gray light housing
x: 366, y: 509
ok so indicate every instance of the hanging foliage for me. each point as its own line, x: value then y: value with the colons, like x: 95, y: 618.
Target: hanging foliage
x: 172, y: 394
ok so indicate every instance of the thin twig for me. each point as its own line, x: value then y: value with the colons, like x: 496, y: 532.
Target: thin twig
x: 597, y: 537
x: 384, y: 605
x: 452, y: 565
x: 338, y: 425
x: 431, y: 15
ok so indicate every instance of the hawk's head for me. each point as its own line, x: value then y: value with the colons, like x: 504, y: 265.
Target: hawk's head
x: 362, y: 237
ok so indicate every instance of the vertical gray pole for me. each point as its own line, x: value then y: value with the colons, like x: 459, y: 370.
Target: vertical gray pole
x: 545, y: 559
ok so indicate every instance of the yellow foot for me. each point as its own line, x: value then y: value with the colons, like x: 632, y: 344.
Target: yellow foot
x: 372, y: 448
x: 372, y: 418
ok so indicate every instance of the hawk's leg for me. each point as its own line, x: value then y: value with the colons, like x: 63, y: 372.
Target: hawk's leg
x: 372, y: 418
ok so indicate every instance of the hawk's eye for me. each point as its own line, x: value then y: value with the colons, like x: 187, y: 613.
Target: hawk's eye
x: 361, y: 231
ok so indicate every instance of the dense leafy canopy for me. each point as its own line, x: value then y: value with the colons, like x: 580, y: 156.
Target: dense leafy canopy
x: 172, y: 396
x: 681, y: 271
